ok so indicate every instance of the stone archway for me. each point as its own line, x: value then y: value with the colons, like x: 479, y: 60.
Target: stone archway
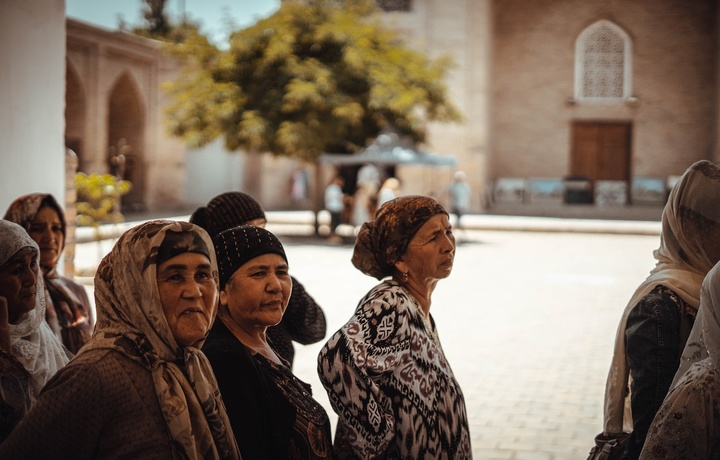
x: 75, y: 109
x: 126, y: 126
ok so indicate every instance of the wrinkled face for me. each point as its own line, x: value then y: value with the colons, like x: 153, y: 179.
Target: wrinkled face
x: 258, y: 292
x: 46, y: 230
x: 188, y: 294
x: 431, y: 252
x: 18, y: 278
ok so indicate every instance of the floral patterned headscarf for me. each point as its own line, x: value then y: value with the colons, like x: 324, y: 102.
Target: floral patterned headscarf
x: 23, y: 210
x: 382, y: 242
x: 31, y: 340
x: 131, y: 321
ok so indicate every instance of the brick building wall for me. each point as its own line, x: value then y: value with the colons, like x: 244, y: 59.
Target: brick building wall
x: 674, y: 48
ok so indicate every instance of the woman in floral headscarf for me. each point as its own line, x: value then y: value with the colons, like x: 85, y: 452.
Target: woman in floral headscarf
x: 29, y: 352
x: 385, y: 371
x: 68, y: 308
x: 140, y: 388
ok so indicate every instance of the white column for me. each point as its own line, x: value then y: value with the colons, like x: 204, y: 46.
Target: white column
x: 32, y: 99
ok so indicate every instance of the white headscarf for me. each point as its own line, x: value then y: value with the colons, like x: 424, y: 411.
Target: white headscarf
x: 689, y: 248
x: 31, y: 340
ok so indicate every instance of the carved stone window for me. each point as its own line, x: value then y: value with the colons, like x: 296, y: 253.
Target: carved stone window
x: 603, y: 63
x: 394, y: 5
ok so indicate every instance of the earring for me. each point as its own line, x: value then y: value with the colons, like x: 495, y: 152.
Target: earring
x: 405, y: 277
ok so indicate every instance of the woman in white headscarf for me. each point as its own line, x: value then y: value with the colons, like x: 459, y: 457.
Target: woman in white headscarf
x: 30, y: 354
x: 657, y: 320
x: 140, y: 388
x: 68, y: 311
x: 687, y: 426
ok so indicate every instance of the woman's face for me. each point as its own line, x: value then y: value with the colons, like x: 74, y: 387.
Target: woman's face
x: 18, y: 280
x: 431, y: 252
x: 259, y: 222
x: 258, y: 292
x: 46, y: 230
x: 188, y: 294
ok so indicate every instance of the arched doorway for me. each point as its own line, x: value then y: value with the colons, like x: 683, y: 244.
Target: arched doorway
x: 74, y: 113
x: 126, y: 122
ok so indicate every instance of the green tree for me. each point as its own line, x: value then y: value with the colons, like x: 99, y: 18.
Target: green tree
x: 98, y: 200
x: 316, y: 76
x: 158, y: 25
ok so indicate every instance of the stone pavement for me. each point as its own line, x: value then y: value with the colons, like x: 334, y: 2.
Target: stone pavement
x: 527, y: 320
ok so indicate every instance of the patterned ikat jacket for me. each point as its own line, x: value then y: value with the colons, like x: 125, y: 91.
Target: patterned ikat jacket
x: 389, y: 382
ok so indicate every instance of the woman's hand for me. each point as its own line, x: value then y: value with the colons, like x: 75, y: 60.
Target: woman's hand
x: 4, y: 330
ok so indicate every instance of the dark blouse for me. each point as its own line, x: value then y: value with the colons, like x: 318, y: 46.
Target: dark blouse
x: 272, y: 413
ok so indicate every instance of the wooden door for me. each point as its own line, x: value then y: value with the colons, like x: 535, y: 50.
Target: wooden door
x: 601, y: 151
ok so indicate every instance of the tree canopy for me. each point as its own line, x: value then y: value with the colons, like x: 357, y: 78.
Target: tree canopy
x: 316, y: 76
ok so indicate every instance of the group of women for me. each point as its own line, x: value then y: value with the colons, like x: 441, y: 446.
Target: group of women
x: 191, y: 354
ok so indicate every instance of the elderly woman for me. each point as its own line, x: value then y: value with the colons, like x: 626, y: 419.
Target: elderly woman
x: 385, y: 371
x: 304, y: 320
x: 273, y: 414
x: 687, y: 426
x: 68, y: 308
x: 657, y: 320
x: 29, y: 352
x: 140, y: 388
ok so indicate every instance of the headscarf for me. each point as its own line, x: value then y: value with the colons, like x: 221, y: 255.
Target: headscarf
x: 72, y: 315
x: 239, y: 245
x: 131, y: 321
x: 689, y: 248
x: 704, y: 340
x: 225, y: 211
x: 31, y: 340
x: 382, y: 242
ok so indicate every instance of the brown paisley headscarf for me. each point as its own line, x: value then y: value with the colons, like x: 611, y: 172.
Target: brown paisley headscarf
x: 381, y: 242
x: 72, y: 315
x: 131, y: 321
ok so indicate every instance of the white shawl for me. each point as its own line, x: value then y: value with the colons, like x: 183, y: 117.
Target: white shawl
x: 31, y: 340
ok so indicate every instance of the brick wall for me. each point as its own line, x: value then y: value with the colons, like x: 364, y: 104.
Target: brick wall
x: 674, y: 76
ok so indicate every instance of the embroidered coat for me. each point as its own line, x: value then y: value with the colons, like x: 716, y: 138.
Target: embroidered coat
x: 389, y: 382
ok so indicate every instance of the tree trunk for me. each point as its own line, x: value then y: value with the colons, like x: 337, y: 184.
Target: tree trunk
x: 252, y: 175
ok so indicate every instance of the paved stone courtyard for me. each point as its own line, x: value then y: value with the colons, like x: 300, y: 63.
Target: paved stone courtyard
x: 527, y: 320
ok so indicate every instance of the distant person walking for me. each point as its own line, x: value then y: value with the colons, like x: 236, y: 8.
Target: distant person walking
x: 389, y: 190
x: 299, y: 186
x: 459, y: 196
x: 335, y: 202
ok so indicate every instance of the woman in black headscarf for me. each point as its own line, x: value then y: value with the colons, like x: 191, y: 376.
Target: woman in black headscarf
x: 304, y: 320
x: 272, y: 412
